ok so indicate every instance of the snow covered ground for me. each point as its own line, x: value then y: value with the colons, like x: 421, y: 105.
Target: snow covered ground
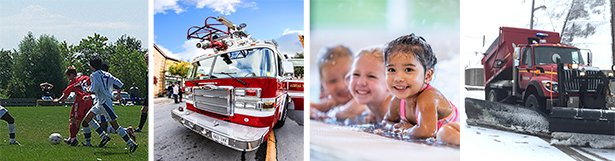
x: 478, y: 143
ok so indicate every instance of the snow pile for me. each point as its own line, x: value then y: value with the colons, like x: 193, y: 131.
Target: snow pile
x: 510, y: 117
x: 579, y: 139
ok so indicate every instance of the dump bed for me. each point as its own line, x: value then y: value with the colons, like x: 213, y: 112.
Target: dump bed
x: 502, y: 49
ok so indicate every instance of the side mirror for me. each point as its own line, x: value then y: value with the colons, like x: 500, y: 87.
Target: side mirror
x: 288, y: 69
x: 516, y: 52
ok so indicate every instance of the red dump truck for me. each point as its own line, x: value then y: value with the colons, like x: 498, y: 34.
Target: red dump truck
x: 240, y: 90
x: 532, y: 68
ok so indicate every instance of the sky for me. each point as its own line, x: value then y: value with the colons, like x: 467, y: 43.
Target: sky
x: 72, y: 20
x: 265, y: 20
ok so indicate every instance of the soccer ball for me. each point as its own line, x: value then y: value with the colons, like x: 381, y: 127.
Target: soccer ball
x: 55, y: 138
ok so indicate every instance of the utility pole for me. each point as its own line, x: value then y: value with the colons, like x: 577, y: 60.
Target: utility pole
x: 534, y: 9
x: 532, y: 18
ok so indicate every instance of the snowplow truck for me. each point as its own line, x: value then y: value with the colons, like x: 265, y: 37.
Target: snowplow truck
x: 532, y: 68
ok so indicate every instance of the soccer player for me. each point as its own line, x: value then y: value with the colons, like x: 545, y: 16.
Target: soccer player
x: 77, y: 84
x: 4, y: 115
x: 102, y: 85
x: 144, y: 109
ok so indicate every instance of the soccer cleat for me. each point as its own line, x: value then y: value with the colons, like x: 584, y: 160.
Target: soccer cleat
x: 14, y: 143
x: 133, y: 147
x: 86, y: 144
x: 104, y: 140
x: 71, y: 142
x: 138, y: 130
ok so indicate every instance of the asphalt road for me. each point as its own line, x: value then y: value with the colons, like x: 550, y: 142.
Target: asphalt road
x: 172, y: 141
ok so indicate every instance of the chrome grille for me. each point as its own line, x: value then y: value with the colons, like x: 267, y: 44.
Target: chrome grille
x: 573, y: 82
x: 216, y: 99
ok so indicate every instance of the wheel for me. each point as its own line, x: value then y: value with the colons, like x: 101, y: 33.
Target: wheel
x: 282, y: 119
x: 534, y: 102
x: 493, y: 96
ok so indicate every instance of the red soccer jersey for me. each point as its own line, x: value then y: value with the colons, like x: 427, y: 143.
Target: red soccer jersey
x: 78, y: 86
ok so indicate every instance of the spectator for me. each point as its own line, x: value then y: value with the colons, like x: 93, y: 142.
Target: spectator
x: 176, y: 92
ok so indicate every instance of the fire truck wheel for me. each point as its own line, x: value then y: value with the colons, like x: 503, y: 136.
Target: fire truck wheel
x: 532, y: 101
x: 282, y: 119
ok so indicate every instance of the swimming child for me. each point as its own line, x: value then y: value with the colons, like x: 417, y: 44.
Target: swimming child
x: 334, y: 64
x: 423, y: 112
x: 368, y: 83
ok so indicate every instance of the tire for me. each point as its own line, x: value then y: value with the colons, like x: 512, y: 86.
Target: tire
x: 493, y: 96
x: 282, y: 119
x: 533, y: 101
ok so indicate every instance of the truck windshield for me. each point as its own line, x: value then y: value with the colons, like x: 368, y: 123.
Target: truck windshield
x: 255, y: 62
x: 547, y: 55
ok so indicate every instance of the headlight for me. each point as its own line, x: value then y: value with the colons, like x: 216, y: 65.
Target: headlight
x: 575, y: 66
x: 550, y: 86
x: 582, y: 74
x: 610, y: 74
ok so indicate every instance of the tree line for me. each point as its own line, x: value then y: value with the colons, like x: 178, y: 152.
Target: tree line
x: 44, y: 59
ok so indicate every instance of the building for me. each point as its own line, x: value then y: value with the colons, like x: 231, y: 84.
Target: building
x: 161, y: 63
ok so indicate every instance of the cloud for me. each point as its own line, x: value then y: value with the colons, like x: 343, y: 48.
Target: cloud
x: 161, y: 6
x: 289, y: 31
x: 224, y: 7
x: 72, y: 28
x: 289, y: 42
x: 188, y: 51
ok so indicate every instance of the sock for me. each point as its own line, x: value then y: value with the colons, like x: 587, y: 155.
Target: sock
x: 87, y: 134
x: 96, y: 126
x: 110, y: 130
x: 122, y: 132
x: 12, y: 132
x: 73, y: 129
x: 143, y: 120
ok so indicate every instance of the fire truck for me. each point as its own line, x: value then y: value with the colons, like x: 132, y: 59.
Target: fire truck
x: 240, y: 90
x: 532, y: 68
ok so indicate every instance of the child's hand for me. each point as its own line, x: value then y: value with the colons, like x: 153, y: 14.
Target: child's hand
x: 401, y: 126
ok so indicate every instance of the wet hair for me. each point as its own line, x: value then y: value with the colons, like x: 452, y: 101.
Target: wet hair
x: 70, y: 70
x: 375, y: 52
x: 331, y: 54
x: 96, y: 63
x: 412, y: 44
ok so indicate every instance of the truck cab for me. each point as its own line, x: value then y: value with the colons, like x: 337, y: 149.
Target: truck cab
x: 239, y: 91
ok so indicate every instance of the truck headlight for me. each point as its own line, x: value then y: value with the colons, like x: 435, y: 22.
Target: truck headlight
x: 575, y: 66
x: 550, y: 86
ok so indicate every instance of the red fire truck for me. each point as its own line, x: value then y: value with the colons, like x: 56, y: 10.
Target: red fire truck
x: 240, y: 90
x: 532, y: 68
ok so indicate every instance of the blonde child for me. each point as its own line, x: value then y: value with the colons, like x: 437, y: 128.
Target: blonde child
x: 423, y: 112
x: 368, y: 83
x: 334, y: 64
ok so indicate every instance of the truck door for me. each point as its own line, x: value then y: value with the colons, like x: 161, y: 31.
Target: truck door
x: 526, y: 68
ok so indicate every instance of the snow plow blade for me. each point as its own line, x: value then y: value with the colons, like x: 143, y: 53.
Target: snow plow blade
x: 505, y: 117
x: 582, y: 120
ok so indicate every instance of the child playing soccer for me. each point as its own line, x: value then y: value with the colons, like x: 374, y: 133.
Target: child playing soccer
x: 4, y: 115
x: 77, y: 84
x: 423, y: 110
x: 102, y: 85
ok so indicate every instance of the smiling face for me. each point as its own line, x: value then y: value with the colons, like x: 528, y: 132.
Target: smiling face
x: 406, y: 76
x: 367, y: 80
x: 333, y: 79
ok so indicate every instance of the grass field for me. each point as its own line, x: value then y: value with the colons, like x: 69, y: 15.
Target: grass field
x: 35, y: 124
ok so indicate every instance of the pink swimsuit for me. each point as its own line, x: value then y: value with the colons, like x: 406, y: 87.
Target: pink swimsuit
x: 452, y: 117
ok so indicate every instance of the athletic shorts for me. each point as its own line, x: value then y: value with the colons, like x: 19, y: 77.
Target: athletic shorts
x: 104, y: 109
